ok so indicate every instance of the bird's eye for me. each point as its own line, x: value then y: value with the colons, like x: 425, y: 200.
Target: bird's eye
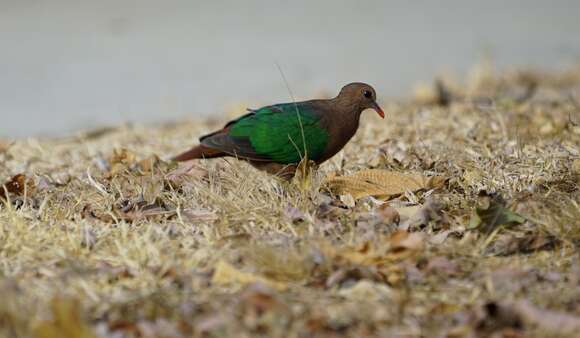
x: 367, y: 94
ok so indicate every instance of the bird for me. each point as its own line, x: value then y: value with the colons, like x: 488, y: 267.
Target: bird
x: 276, y: 138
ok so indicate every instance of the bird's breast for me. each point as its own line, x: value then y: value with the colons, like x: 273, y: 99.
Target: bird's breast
x: 339, y: 137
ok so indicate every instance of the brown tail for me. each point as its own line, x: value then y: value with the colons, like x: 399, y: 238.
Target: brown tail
x: 199, y: 151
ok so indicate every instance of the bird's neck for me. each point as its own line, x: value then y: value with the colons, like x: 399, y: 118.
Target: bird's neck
x: 347, y: 110
x: 342, y: 124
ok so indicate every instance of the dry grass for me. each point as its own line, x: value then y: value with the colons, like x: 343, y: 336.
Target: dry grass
x: 105, y: 246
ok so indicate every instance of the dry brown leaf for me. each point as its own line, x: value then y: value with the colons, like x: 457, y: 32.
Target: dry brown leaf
x: 381, y: 252
x: 89, y: 212
x: 523, y: 313
x: 294, y: 215
x: 120, y: 161
x: 211, y: 322
x: 418, y: 216
x: 509, y: 244
x: 124, y: 326
x: 128, y: 210
x: 260, y: 298
x: 388, y: 214
x: 123, y: 156
x: 442, y: 266
x: 226, y: 274
x: 555, y: 321
x: 497, y: 317
x: 352, y: 274
x: 148, y: 164
x: 403, y: 241
x: 510, y: 279
x: 124, y: 160
x: 440, y: 237
x: 150, y: 210
x: 365, y: 290
x: 133, y: 211
x: 185, y: 171
x: 380, y: 183
x: 160, y: 327
x: 199, y: 215
x: 347, y: 200
x: 407, y: 212
x: 17, y: 185
x: 66, y: 322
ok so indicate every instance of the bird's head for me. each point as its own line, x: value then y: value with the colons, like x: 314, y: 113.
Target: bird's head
x: 361, y: 95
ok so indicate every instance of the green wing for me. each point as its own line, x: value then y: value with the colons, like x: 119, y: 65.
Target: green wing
x: 282, y: 133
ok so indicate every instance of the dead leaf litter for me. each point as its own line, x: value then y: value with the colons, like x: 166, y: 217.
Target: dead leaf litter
x: 457, y: 217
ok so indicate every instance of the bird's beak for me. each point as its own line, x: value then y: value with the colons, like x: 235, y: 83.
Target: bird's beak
x: 378, y: 110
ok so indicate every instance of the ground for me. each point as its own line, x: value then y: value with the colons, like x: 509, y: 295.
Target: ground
x: 102, y: 236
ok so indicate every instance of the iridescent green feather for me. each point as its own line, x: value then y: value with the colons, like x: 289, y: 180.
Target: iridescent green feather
x: 283, y: 133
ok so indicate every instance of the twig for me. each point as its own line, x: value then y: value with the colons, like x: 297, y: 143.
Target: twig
x: 95, y: 184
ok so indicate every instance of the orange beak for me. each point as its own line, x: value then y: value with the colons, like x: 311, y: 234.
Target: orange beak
x: 379, y: 110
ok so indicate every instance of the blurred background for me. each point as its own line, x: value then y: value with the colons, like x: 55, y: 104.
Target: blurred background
x: 70, y: 65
